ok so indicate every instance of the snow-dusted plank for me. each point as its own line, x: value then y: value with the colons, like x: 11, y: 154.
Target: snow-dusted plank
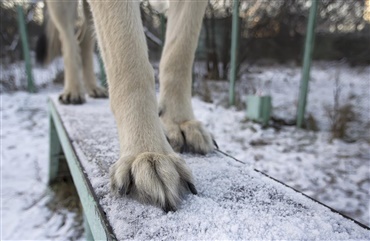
x: 233, y: 202
x: 97, y: 221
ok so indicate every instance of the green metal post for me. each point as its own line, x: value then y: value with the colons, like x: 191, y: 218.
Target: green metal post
x: 103, y: 76
x: 55, y: 151
x: 307, y: 59
x: 26, y: 50
x: 234, y: 52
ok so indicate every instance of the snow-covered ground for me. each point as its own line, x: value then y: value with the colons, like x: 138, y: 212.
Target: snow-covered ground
x: 332, y: 171
x: 29, y: 209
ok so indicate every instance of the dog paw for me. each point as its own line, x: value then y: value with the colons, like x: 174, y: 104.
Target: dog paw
x: 98, y: 92
x: 153, y: 178
x: 68, y: 97
x: 190, y: 136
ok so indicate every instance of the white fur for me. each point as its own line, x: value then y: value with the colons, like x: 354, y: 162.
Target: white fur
x: 77, y: 55
x: 182, y: 129
x: 160, y: 6
x: 148, y: 167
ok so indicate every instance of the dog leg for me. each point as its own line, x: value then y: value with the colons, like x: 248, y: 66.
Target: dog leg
x: 87, y: 45
x: 148, y: 168
x: 63, y: 14
x: 183, y: 131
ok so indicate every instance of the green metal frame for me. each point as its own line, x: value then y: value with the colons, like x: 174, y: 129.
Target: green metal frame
x: 234, y: 52
x: 259, y: 108
x: 26, y: 49
x: 55, y: 151
x: 307, y: 59
x: 97, y: 222
x: 88, y: 234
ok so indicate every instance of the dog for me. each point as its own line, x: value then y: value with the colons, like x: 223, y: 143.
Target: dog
x: 150, y: 133
x: 79, y: 76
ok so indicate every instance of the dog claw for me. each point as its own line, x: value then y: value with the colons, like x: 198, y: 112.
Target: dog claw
x: 125, y: 190
x: 148, y: 178
x: 192, y: 188
x: 169, y: 208
x: 121, y: 191
x: 98, y: 93
x: 67, y: 99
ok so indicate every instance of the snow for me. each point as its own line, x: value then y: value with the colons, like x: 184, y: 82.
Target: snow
x: 282, y: 83
x: 233, y: 201
x: 335, y: 173
x: 332, y: 171
x: 12, y: 78
x: 27, y: 210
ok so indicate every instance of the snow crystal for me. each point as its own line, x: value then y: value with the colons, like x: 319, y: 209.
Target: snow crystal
x: 233, y: 201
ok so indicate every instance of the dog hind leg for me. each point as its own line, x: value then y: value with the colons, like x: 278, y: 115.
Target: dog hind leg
x: 87, y: 45
x: 148, y: 168
x: 63, y: 14
x: 183, y: 131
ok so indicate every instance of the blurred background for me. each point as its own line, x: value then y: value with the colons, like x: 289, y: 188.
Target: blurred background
x: 329, y: 159
x: 269, y: 30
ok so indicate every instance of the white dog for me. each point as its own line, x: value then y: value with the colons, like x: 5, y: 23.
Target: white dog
x: 148, y: 168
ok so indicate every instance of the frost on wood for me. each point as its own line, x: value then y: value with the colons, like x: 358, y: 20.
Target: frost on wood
x: 233, y: 201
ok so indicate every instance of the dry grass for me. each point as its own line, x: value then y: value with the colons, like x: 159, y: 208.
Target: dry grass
x: 341, y: 114
x: 65, y: 197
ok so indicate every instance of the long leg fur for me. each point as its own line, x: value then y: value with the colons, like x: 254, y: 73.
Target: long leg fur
x: 77, y: 53
x: 148, y: 167
x: 87, y: 44
x: 64, y: 14
x: 184, y: 132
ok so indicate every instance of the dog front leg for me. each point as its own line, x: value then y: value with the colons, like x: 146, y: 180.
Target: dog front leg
x: 184, y: 132
x: 148, y: 167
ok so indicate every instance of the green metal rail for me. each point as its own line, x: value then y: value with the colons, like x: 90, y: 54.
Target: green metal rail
x: 96, y: 222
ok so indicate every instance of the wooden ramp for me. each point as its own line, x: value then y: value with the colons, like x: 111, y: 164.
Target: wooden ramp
x: 233, y: 202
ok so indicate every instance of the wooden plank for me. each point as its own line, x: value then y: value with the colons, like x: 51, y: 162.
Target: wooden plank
x: 234, y: 201
x: 97, y: 221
